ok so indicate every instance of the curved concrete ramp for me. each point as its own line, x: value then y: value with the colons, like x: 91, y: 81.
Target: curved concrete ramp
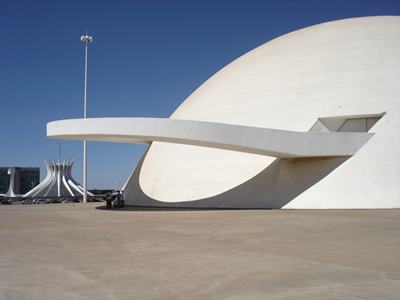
x: 262, y: 141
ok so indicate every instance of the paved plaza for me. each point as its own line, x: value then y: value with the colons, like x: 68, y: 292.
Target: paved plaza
x: 76, y: 251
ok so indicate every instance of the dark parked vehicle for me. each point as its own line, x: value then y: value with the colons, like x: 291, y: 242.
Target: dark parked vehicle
x: 6, y: 201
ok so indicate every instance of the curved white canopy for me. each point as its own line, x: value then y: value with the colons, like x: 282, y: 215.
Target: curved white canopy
x: 255, y: 140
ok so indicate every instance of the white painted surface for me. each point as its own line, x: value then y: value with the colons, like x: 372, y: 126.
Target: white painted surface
x: 58, y: 182
x: 338, y: 68
x: 10, y: 192
x: 261, y: 141
x: 335, y: 69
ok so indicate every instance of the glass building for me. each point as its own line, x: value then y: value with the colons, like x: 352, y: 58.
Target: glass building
x: 25, y: 179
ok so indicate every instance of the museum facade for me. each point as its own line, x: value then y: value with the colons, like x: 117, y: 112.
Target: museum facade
x: 308, y: 120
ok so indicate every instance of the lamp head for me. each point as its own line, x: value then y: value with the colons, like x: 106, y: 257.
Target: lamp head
x: 86, y: 38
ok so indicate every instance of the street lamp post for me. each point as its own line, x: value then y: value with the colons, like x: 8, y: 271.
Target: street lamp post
x: 86, y: 39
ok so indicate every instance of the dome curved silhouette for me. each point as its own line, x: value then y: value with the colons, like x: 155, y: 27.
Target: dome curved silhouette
x: 341, y: 68
x: 307, y: 120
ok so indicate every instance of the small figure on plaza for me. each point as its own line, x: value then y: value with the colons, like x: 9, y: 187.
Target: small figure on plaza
x: 109, y: 197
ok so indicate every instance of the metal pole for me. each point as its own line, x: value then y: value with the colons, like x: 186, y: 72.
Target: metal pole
x: 84, y: 142
x: 86, y: 39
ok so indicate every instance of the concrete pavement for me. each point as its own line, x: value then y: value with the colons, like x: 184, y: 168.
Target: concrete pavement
x: 75, y: 251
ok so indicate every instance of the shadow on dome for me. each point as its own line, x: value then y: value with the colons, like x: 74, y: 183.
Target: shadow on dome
x: 278, y: 184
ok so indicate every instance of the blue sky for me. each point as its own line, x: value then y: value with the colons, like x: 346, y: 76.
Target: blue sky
x: 147, y: 57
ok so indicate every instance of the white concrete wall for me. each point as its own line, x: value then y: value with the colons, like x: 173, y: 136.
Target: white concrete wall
x: 347, y: 67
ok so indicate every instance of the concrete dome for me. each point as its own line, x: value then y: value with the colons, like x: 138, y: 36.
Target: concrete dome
x: 329, y: 74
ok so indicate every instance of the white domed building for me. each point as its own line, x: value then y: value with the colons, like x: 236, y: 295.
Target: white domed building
x: 308, y: 120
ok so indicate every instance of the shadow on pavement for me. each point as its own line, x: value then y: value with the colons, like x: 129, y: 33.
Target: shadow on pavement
x: 150, y: 208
